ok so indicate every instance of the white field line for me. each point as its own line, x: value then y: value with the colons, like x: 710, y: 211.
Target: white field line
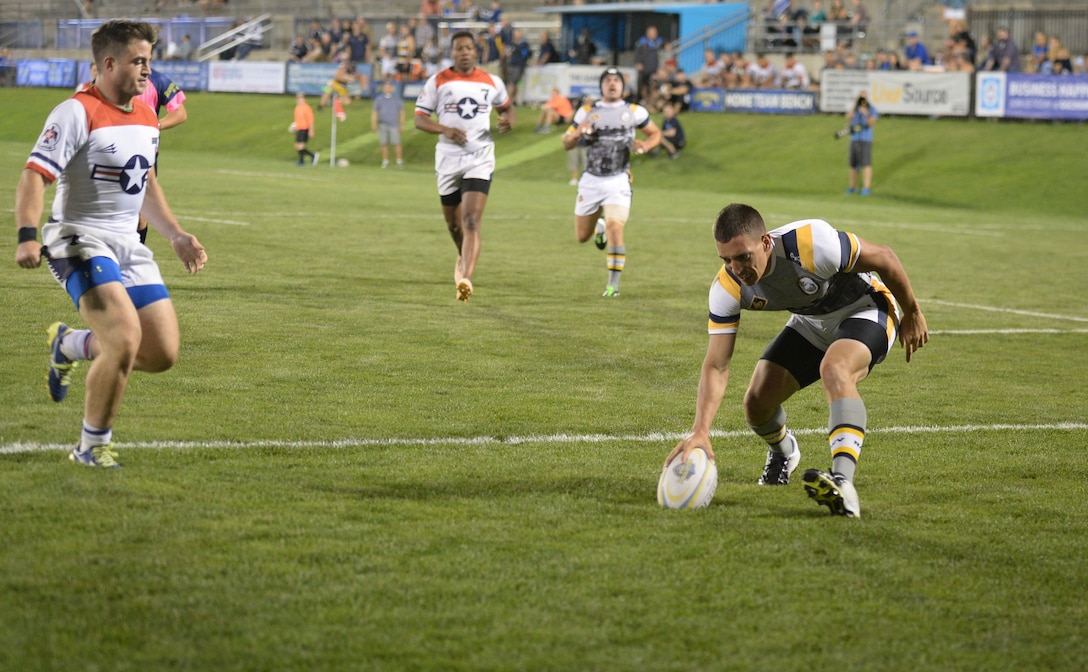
x: 989, y: 332
x: 652, y: 437
x: 1011, y: 311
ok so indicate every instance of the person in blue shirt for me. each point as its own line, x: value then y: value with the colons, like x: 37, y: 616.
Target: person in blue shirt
x: 672, y: 133
x: 862, y: 118
x: 915, y: 49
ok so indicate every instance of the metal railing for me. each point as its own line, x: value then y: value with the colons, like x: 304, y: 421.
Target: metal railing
x: 234, y: 38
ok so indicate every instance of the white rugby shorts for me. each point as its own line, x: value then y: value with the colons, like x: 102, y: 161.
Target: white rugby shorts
x: 594, y: 192
x: 451, y: 169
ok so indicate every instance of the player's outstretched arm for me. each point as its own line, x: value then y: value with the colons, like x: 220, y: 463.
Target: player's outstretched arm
x: 653, y: 138
x: 713, y: 379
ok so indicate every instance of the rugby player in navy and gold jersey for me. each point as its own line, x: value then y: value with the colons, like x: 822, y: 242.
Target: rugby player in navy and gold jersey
x: 844, y: 322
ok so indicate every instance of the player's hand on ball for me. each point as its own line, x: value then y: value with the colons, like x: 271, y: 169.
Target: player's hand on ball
x: 684, y: 448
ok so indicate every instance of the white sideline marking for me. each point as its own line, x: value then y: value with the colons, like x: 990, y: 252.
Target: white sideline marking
x: 976, y: 332
x: 1011, y: 311
x: 232, y: 222
x: 652, y: 437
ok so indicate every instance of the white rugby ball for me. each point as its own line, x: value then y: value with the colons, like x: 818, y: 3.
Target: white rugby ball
x: 343, y: 163
x: 688, y: 485
x: 291, y: 128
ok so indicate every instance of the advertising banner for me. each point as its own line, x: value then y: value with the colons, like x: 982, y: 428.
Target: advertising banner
x: 189, y: 75
x: 246, y: 77
x: 707, y: 100
x: 1030, y: 96
x: 573, y: 81
x: 770, y: 101
x: 311, y: 78
x: 945, y: 94
x: 40, y: 72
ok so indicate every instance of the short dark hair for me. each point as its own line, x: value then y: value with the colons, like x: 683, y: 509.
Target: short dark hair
x: 115, y: 35
x: 463, y: 34
x: 737, y: 219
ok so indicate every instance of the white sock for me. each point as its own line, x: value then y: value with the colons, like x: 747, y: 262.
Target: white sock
x: 93, y: 437
x: 76, y: 344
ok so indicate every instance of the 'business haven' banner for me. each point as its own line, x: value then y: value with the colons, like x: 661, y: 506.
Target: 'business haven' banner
x: 1028, y: 96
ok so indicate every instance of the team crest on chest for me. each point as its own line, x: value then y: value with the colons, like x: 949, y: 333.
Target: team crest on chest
x: 758, y: 303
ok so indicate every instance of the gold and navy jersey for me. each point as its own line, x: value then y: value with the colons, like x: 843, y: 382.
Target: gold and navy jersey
x: 810, y: 273
x: 100, y: 156
x: 608, y: 148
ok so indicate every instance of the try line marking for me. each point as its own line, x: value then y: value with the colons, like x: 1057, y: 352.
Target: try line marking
x: 652, y: 437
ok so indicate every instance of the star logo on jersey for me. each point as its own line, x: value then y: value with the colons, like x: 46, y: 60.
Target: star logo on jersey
x: 132, y: 176
x: 50, y: 137
x: 467, y: 108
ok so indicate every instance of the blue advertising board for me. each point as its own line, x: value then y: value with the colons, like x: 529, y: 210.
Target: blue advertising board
x: 189, y: 75
x: 770, y: 101
x: 55, y: 72
x: 311, y: 78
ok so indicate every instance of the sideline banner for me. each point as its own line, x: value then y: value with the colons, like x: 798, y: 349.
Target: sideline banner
x: 246, y: 77
x: 945, y: 94
x: 189, y: 75
x: 1029, y: 96
x: 54, y: 72
x: 770, y: 101
x: 572, y: 81
x: 707, y: 100
x: 311, y: 78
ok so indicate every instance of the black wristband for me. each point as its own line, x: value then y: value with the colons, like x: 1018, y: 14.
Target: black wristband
x: 28, y: 234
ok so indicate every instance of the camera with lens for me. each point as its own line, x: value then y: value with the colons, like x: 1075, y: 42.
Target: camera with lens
x: 861, y: 102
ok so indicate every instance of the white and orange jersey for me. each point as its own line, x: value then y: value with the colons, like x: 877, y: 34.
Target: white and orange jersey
x: 465, y: 102
x: 810, y: 273
x: 101, y: 155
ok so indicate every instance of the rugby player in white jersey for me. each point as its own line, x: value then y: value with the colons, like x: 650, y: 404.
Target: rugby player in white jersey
x: 99, y: 147
x: 844, y: 322
x: 604, y: 191
x: 462, y: 97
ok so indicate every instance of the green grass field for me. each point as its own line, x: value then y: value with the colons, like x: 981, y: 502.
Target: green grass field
x: 347, y: 469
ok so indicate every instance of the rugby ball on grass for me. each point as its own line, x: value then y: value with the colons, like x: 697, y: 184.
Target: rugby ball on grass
x: 688, y: 485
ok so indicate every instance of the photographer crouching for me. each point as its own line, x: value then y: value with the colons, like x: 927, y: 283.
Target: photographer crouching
x: 862, y: 117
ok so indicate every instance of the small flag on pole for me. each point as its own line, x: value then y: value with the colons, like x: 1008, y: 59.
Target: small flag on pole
x: 338, y: 109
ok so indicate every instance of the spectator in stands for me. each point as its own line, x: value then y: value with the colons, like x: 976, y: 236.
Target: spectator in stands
x: 493, y: 56
x: 431, y: 57
x: 431, y: 8
x: 915, y: 49
x: 1061, y: 64
x: 584, y: 48
x: 817, y: 17
x: 546, y: 53
x: 646, y: 60
x: 1039, y: 47
x: 298, y: 51
x: 316, y: 31
x: 894, y: 63
x: 859, y: 18
x: 254, y: 39
x: 406, y: 49
x: 962, y: 40
x: 672, y: 133
x: 492, y: 15
x: 1003, y: 54
x: 837, y: 12
x: 422, y: 31
x: 359, y: 42
x: 831, y: 60
x: 387, y: 47
x: 558, y: 110
x: 518, y: 53
x: 336, y: 31
x: 793, y: 75
x: 185, y: 49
